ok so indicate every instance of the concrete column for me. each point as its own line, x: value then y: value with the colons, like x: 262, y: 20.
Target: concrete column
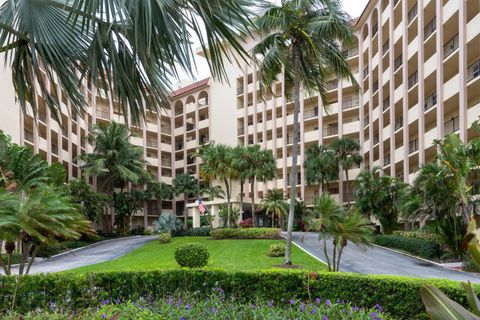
x: 195, y: 216
x: 406, y: 136
x: 392, y: 89
x: 361, y: 107
x: 381, y: 153
x: 370, y: 100
x: 439, y: 53
x: 301, y: 149
x: 340, y: 136
x: 462, y: 68
x: 421, y: 85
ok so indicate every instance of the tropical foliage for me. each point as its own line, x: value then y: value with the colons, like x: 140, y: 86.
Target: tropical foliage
x: 129, y: 48
x: 347, y: 153
x: 126, y: 204
x: 187, y: 185
x: 275, y: 205
x: 301, y: 41
x: 92, y: 204
x: 321, y: 166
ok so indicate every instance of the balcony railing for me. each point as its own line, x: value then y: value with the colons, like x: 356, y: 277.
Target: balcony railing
x: 374, y: 29
x: 412, y: 80
x: 366, y: 120
x: 386, y: 103
x: 365, y: 72
x: 474, y: 70
x: 376, y: 139
x: 54, y: 149
x: 386, y: 160
x: 330, y: 131
x: 430, y: 101
x: 385, y: 46
x: 430, y: 28
x: 240, y: 131
x: 166, y: 163
x: 166, y: 130
x: 42, y: 117
x: 412, y: 13
x: 450, y: 46
x: 350, y: 52
x: 203, y: 140
x: 398, y: 123
x: 452, y: 125
x: 103, y: 114
x: 202, y: 102
x: 240, y: 90
x: 413, y: 145
x: 152, y: 143
x: 28, y: 135
x: 375, y: 86
x: 350, y: 103
x: 310, y: 113
x: 178, y: 147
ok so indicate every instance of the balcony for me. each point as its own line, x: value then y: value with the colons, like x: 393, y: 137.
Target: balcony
x: 398, y: 63
x: 375, y: 86
x: 451, y: 46
x: 349, y: 53
x: 366, y: 120
x: 54, y: 148
x: 178, y: 147
x: 412, y: 80
x: 351, y: 103
x: 166, y: 130
x: 398, y: 123
x: 203, y: 139
x: 104, y: 114
x: 290, y: 139
x: 332, y: 85
x: 42, y: 116
x: 413, y: 145
x: 430, y: 28
x: 452, y: 125
x: 152, y: 143
x: 240, y: 131
x: 376, y: 139
x: 386, y: 103
x: 374, y: 29
x: 385, y: 47
x: 239, y: 90
x: 430, y: 101
x: 330, y: 131
x: 386, y: 160
x: 473, y: 71
x: 166, y: 162
x: 365, y: 72
x: 310, y: 113
x: 412, y: 13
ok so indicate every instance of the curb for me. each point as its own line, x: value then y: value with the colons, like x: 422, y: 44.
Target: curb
x: 305, y: 250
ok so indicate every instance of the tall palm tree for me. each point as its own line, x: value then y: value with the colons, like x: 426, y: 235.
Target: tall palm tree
x: 320, y: 166
x: 299, y: 41
x: 160, y: 191
x: 42, y: 217
x: 275, y: 205
x: 132, y: 48
x: 187, y: 185
x: 261, y: 166
x: 114, y: 160
x: 347, y: 152
x: 240, y: 162
x: 217, y: 165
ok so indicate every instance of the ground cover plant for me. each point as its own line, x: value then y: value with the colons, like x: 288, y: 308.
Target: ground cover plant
x: 216, y: 306
x: 234, y: 254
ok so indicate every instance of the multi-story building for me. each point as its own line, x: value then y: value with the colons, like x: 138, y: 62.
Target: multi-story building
x: 417, y: 64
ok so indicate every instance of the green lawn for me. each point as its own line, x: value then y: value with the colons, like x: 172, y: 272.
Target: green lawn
x: 226, y: 254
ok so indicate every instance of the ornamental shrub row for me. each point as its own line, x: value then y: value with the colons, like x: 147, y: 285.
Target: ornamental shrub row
x: 415, y: 246
x: 246, y: 233
x: 418, y: 234
x: 194, y: 232
x: 398, y: 296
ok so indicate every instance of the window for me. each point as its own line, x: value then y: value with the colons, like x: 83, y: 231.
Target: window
x: 450, y: 47
x: 430, y: 28
x: 412, y: 13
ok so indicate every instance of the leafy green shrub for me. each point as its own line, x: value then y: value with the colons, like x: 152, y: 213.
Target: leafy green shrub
x: 398, y: 296
x: 194, y: 232
x: 277, y: 250
x: 415, y: 246
x: 246, y: 233
x: 192, y: 255
x: 167, y: 222
x: 164, y: 237
x: 419, y: 235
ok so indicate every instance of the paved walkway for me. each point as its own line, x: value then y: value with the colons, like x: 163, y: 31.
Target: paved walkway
x: 98, y: 252
x: 378, y: 260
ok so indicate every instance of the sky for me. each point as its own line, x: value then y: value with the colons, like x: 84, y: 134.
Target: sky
x: 352, y: 7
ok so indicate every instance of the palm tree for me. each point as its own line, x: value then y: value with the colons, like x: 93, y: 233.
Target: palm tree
x: 381, y: 196
x: 217, y: 164
x: 131, y: 48
x: 299, y: 41
x: 42, y: 217
x: 320, y: 166
x: 187, y: 185
x: 160, y: 191
x: 275, y: 205
x: 240, y: 162
x: 261, y: 166
x: 347, y: 153
x: 114, y: 160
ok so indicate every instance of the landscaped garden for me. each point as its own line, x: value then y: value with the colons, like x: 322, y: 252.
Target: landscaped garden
x: 241, y: 255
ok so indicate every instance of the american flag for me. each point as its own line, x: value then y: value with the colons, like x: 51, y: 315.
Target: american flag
x: 201, y: 206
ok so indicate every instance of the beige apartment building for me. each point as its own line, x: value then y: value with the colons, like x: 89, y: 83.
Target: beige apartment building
x: 418, y: 67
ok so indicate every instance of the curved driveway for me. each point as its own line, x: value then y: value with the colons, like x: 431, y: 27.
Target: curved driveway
x: 95, y: 253
x: 378, y: 260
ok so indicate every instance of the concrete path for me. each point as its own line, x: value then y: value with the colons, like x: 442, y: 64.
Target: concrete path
x: 95, y: 253
x: 378, y: 260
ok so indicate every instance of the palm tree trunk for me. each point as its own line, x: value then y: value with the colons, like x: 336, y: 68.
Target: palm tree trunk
x: 185, y: 198
x: 339, y: 256
x: 241, y: 199
x: 227, y: 187
x: 293, y: 177
x: 32, y: 258
x: 346, y: 186
x: 252, y: 197
x: 325, y: 252
x: 334, y: 255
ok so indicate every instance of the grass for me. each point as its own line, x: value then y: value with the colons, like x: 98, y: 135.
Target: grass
x: 226, y: 254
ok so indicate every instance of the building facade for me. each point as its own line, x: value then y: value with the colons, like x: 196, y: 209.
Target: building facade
x: 417, y: 64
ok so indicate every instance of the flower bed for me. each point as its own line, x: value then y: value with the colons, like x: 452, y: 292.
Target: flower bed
x: 185, y: 307
x: 399, y: 296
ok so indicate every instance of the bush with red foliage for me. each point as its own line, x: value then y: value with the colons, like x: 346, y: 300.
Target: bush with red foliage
x: 247, y: 223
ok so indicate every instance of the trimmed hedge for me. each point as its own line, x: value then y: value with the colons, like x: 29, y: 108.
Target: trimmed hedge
x: 246, y: 233
x: 194, y: 232
x: 165, y: 237
x: 277, y: 250
x: 192, y: 255
x: 419, y: 235
x: 398, y: 296
x: 415, y: 246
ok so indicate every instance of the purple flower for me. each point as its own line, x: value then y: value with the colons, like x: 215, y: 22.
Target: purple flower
x: 324, y: 317
x: 252, y: 306
x: 182, y: 318
x: 292, y: 301
x: 117, y: 300
x: 104, y: 316
x: 105, y: 302
x: 213, y: 310
x: 317, y: 301
x: 270, y: 303
x: 328, y: 303
x: 187, y: 306
x: 302, y: 307
x: 375, y: 316
x: 355, y: 308
x: 377, y: 307
x: 314, y: 311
